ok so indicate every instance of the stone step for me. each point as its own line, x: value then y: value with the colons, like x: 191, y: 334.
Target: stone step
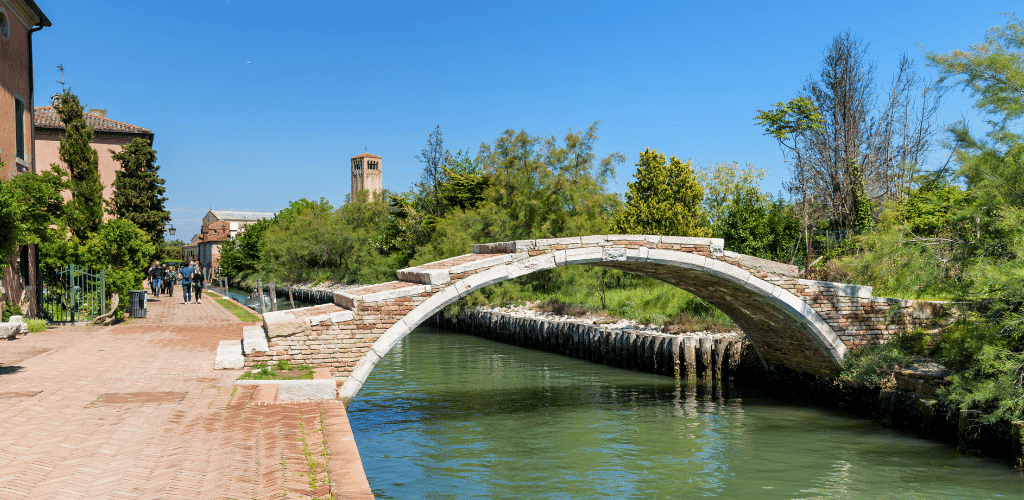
x: 299, y: 390
x: 229, y: 356
x: 351, y: 298
x: 443, y: 271
x: 254, y: 339
x: 282, y: 323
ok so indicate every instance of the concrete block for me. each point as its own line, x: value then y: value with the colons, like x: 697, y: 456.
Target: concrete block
x: 342, y: 316
x: 254, y: 339
x: 481, y: 264
x: 298, y: 390
x: 283, y: 323
x: 306, y: 390
x: 229, y: 356
x: 10, y: 330
x: 689, y: 240
x: 425, y: 276
x: 394, y: 294
x: 613, y: 254
x: 583, y: 255
x: 531, y: 265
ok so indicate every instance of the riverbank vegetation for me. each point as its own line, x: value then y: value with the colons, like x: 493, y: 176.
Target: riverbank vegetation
x: 862, y: 207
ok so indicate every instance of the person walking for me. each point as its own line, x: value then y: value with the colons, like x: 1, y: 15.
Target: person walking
x: 186, y: 283
x: 156, y: 275
x: 169, y: 281
x: 198, y: 279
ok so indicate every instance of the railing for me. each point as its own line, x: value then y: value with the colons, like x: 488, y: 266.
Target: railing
x: 72, y: 294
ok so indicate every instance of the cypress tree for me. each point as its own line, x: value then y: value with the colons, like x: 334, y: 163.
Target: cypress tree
x: 85, y: 210
x: 138, y: 190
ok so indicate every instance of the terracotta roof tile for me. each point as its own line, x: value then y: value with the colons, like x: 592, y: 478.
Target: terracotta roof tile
x: 46, y: 117
x: 367, y: 155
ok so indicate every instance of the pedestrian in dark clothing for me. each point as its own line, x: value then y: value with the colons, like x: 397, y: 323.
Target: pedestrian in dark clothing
x: 170, y: 280
x: 167, y: 278
x: 156, y: 276
x: 186, y: 283
x: 198, y: 280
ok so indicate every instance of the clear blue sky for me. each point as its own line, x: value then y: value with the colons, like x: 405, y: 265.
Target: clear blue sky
x: 256, y: 103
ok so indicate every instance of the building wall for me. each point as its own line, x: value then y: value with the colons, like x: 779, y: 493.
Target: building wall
x: 106, y: 145
x: 20, y: 271
x: 15, y: 80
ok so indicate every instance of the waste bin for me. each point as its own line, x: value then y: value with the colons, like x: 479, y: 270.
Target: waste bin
x: 137, y: 304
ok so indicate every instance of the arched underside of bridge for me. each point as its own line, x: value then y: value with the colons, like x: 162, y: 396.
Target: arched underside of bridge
x: 782, y: 328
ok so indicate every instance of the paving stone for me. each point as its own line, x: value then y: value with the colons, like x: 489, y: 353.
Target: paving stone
x: 217, y: 441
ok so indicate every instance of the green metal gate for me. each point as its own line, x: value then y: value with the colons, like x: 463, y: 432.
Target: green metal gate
x: 72, y: 294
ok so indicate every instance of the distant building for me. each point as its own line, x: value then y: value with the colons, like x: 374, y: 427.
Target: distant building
x: 18, y: 20
x: 110, y: 137
x: 366, y: 175
x: 218, y: 227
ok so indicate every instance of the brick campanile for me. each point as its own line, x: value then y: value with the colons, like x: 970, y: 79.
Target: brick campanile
x: 366, y: 175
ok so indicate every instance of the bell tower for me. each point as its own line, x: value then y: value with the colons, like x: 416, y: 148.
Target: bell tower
x: 366, y: 175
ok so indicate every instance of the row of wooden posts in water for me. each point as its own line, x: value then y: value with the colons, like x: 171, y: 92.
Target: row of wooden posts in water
x: 307, y: 295
x: 702, y: 356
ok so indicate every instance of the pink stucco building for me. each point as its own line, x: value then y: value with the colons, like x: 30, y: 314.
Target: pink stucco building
x: 218, y: 227
x: 110, y: 137
x: 18, y: 20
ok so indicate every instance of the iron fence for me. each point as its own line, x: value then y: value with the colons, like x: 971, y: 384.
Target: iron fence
x: 73, y: 294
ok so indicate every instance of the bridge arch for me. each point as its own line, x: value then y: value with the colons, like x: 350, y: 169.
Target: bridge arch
x: 783, y: 329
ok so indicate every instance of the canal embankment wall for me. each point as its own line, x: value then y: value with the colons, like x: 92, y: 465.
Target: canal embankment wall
x: 911, y: 405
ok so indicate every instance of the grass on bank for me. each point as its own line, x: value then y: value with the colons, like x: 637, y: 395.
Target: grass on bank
x: 283, y: 370
x: 642, y: 299
x: 240, y: 312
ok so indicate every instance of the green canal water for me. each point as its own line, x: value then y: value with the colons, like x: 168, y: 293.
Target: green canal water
x: 451, y: 416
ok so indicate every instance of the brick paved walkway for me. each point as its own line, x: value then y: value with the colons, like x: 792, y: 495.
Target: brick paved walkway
x: 137, y: 411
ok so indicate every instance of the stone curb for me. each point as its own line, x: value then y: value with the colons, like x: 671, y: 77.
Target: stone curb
x: 299, y: 390
x: 229, y: 356
x: 254, y: 340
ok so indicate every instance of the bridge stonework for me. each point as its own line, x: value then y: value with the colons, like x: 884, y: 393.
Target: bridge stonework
x: 800, y: 324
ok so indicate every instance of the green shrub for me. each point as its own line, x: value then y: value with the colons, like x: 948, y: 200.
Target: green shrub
x: 10, y: 309
x: 874, y: 365
x: 36, y: 325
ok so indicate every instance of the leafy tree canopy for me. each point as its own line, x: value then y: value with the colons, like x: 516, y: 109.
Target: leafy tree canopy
x: 665, y: 199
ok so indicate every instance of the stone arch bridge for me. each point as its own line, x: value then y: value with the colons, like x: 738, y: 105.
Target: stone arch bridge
x: 804, y: 325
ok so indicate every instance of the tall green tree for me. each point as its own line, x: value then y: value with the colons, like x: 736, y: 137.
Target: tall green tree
x: 540, y: 188
x: 665, y: 199
x: 138, y: 190
x: 724, y: 182
x: 788, y: 123
x: 31, y: 209
x: 84, y: 213
x: 987, y: 351
x: 434, y: 158
x: 240, y: 257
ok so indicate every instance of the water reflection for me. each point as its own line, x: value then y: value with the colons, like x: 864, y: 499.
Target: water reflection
x: 452, y: 416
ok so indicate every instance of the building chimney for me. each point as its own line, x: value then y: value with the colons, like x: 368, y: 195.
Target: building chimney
x: 102, y: 113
